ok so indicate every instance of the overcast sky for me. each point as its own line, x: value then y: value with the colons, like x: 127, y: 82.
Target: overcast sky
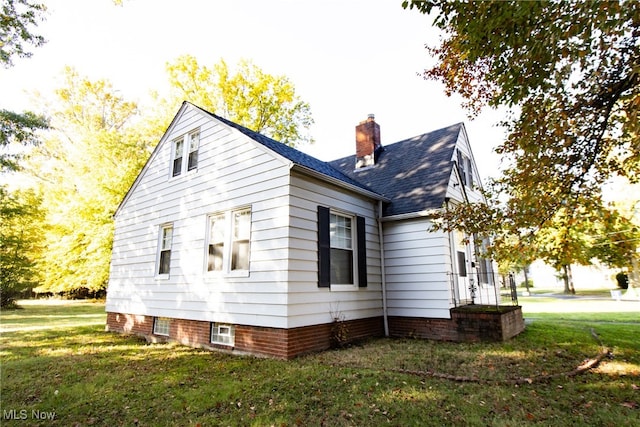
x: 347, y: 59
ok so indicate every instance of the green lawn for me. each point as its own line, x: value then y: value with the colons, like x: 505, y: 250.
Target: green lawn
x: 62, y: 363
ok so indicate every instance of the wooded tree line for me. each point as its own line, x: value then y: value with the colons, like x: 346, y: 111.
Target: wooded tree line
x: 567, y: 71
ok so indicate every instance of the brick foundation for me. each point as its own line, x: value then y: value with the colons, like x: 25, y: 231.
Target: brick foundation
x: 467, y: 324
x: 271, y: 342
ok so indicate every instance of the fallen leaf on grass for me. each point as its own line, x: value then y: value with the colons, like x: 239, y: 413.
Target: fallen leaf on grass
x: 630, y: 405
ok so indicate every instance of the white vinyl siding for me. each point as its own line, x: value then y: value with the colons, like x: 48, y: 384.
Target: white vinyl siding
x: 417, y: 266
x: 309, y: 304
x: 233, y: 172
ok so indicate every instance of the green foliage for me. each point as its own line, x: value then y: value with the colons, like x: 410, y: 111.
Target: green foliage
x: 89, y: 377
x: 569, y: 73
x: 18, y: 129
x: 16, y: 21
x: 84, y: 167
x: 622, y: 279
x: 526, y: 284
x: 247, y: 95
x: 20, y: 243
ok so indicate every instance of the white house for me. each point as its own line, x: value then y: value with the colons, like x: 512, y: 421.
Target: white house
x: 228, y: 239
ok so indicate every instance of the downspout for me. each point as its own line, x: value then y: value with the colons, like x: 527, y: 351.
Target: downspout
x: 384, y: 275
x: 454, y: 261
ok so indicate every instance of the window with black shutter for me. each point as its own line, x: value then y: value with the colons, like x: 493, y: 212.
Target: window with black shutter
x: 341, y: 237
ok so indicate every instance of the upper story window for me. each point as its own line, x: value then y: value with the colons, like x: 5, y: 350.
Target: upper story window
x: 178, y: 148
x: 465, y: 167
x: 184, y: 153
x: 194, y: 143
x: 164, y: 249
x: 229, y: 241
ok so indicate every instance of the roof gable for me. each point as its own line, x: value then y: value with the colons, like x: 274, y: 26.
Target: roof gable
x: 295, y: 156
x: 413, y: 173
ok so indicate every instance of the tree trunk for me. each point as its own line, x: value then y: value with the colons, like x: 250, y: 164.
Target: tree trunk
x: 568, y: 280
x: 526, y: 278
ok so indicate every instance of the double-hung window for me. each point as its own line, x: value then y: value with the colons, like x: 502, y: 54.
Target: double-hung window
x: 465, y: 167
x: 184, y: 153
x: 241, y: 224
x: 340, y: 239
x: 229, y: 241
x: 217, y: 225
x: 164, y: 250
x: 178, y: 148
x: 194, y: 144
x: 341, y: 249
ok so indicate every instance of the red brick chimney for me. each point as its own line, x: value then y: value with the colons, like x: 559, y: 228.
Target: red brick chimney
x: 367, y: 142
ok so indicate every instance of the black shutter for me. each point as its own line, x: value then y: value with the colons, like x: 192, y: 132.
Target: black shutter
x: 362, y: 252
x: 324, y: 248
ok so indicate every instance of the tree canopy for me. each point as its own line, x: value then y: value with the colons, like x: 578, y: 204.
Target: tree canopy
x: 17, y: 21
x: 20, y: 242
x: 84, y: 166
x: 246, y: 95
x: 569, y: 73
x: 99, y: 141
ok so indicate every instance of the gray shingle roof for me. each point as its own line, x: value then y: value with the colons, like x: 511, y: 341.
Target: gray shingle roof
x: 296, y: 156
x: 413, y: 173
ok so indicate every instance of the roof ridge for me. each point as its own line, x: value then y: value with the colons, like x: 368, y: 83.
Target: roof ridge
x: 296, y: 156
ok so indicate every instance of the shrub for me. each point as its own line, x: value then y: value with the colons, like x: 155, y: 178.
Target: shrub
x: 524, y: 285
x: 623, y: 280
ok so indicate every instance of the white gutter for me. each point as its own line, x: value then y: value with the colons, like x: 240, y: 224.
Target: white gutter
x: 336, y: 181
x: 422, y: 214
x: 384, y: 275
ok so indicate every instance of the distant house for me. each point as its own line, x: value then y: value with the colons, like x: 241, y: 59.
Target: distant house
x: 228, y: 239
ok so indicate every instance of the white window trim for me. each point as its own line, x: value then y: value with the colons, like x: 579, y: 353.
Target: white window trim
x: 230, y: 333
x: 186, y: 150
x: 354, y: 252
x: 161, y: 228
x: 226, y: 270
